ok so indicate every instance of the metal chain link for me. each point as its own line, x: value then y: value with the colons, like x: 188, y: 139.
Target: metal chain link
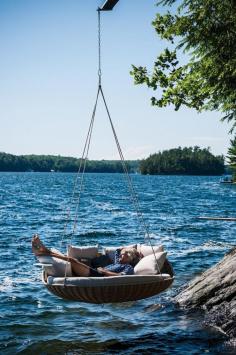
x: 99, y: 49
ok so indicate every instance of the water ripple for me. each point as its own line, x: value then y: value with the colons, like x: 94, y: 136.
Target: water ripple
x: 34, y: 321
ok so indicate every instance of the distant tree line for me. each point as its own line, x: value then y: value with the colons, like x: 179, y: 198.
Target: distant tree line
x: 47, y: 163
x: 186, y: 161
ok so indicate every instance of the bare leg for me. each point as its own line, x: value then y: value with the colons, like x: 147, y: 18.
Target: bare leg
x: 78, y: 268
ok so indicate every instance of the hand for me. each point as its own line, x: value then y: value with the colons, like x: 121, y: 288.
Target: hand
x: 107, y: 272
x: 101, y: 270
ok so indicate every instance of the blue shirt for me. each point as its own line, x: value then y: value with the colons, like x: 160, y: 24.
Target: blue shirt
x: 124, y: 269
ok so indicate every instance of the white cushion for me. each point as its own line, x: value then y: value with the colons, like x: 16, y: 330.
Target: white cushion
x: 47, y: 259
x: 148, y: 264
x: 57, y: 267
x: 146, y: 250
x: 88, y: 252
x: 107, y: 281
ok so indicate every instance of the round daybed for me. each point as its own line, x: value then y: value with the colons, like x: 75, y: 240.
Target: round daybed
x: 110, y: 289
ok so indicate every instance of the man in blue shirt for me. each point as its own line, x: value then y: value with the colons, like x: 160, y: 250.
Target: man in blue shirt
x: 125, y: 260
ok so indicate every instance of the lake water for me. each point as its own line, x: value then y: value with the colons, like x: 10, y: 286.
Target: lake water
x: 35, y: 321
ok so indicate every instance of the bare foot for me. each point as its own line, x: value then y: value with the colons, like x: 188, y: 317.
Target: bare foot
x: 38, y: 248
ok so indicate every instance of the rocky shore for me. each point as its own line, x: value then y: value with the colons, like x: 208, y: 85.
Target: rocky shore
x: 214, y: 291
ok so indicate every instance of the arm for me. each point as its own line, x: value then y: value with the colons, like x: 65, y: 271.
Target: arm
x: 107, y: 272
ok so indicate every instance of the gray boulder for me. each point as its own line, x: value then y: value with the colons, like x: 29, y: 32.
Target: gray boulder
x: 215, y: 292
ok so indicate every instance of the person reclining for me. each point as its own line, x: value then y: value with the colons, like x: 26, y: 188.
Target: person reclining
x: 125, y: 260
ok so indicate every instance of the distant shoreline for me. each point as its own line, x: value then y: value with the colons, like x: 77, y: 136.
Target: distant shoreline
x: 58, y: 164
x: 52, y: 163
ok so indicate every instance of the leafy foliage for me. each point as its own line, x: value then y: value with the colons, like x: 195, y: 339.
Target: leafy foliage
x: 206, y: 30
x: 186, y: 161
x: 232, y: 157
x: 46, y: 163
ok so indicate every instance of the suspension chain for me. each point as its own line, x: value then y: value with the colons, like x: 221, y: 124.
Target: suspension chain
x: 99, y: 49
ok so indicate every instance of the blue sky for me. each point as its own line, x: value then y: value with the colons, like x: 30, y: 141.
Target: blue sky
x: 48, y: 82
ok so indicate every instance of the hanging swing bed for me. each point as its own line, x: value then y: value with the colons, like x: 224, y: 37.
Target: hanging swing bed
x: 152, y: 275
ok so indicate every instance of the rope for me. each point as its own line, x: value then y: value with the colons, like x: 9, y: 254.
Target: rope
x: 83, y: 162
x: 125, y: 169
x: 130, y: 184
x: 86, y: 149
x: 84, y: 159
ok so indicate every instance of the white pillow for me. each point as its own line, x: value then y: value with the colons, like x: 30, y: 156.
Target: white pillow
x: 88, y: 252
x: 146, y: 250
x: 58, y: 266
x: 148, y: 264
